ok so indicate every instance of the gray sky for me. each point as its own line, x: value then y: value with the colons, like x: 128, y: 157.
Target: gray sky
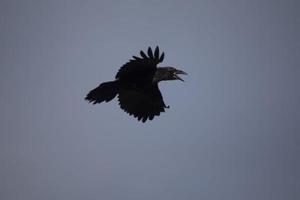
x: 232, y: 130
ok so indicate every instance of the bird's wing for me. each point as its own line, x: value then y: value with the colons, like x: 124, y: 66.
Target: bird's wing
x: 142, y: 104
x: 140, y: 70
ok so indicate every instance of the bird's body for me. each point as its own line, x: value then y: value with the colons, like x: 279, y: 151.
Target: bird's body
x: 136, y: 85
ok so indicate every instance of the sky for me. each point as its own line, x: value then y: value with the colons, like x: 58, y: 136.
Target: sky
x: 232, y: 129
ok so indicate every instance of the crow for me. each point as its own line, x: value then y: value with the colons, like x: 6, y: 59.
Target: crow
x: 136, y: 85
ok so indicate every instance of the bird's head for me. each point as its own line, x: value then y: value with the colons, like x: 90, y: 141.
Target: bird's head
x: 168, y: 73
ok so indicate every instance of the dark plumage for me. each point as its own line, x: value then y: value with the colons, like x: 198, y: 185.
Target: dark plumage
x: 136, y: 85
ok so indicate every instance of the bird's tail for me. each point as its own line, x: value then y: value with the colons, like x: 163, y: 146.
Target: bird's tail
x: 104, y: 92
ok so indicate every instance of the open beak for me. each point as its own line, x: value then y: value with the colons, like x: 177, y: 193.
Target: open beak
x: 179, y: 72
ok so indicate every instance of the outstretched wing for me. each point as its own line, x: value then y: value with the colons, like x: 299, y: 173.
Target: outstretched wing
x: 140, y: 70
x: 142, y: 104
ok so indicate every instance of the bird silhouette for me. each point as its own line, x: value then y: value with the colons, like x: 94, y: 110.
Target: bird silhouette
x: 136, y: 85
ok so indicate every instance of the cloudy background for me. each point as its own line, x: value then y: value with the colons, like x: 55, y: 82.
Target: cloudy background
x: 232, y: 130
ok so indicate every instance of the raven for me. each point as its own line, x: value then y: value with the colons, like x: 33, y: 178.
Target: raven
x: 136, y: 85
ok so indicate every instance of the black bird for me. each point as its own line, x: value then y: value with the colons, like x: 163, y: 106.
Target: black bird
x: 136, y: 85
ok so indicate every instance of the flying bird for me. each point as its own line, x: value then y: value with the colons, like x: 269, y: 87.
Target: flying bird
x: 136, y: 85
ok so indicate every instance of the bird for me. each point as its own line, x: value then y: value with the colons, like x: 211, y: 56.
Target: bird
x: 136, y: 85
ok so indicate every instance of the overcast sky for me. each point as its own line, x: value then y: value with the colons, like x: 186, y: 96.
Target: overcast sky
x: 232, y: 129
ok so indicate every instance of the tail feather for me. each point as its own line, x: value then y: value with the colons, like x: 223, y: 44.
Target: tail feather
x: 104, y: 92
